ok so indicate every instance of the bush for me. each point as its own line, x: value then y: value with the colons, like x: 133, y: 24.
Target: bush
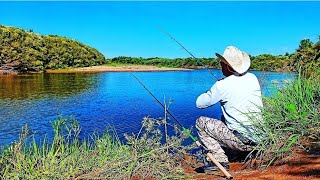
x: 290, y: 119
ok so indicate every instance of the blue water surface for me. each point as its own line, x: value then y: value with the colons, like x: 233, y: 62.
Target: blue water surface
x: 113, y: 98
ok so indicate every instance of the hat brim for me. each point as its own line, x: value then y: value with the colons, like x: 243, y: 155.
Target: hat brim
x: 239, y: 69
x: 222, y: 58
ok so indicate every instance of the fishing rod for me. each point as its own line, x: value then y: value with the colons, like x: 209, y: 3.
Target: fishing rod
x: 183, y: 128
x: 210, y: 155
x: 206, y: 67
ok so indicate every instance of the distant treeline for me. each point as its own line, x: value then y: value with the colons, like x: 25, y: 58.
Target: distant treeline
x: 166, y: 62
x: 24, y: 50
x: 306, y: 56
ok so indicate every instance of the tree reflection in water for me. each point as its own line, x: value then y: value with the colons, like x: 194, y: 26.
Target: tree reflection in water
x: 36, y: 86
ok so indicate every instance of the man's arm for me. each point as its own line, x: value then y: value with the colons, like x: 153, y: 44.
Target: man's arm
x: 209, y: 98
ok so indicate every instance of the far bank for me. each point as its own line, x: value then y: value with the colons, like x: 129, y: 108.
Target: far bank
x: 115, y: 68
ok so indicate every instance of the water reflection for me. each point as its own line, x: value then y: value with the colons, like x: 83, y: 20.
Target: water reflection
x: 39, y: 85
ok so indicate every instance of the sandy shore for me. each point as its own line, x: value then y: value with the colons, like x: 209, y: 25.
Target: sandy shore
x: 121, y: 68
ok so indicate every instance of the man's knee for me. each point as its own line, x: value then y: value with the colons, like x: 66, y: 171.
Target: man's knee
x: 200, y: 123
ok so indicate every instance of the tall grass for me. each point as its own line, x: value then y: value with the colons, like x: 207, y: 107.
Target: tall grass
x: 105, y: 157
x: 290, y: 121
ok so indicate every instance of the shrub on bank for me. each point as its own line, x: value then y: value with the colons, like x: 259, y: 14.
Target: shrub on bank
x: 290, y: 120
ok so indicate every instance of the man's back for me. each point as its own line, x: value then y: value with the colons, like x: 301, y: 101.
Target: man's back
x: 240, y: 98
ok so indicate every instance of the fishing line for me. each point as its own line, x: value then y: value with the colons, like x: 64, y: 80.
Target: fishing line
x: 183, y: 128
x: 156, y: 99
x: 206, y: 67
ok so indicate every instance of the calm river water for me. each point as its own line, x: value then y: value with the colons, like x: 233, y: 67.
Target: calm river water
x: 100, y: 100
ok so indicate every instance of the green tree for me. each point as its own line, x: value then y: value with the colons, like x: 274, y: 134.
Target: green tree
x: 306, y: 58
x: 27, y: 51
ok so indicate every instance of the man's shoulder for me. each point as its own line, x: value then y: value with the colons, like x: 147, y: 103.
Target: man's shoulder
x: 247, y: 77
x: 232, y: 80
x: 234, y: 77
x: 250, y: 75
x: 224, y: 82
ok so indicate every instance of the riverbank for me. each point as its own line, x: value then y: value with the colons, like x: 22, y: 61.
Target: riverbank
x: 301, y: 165
x: 102, y: 68
x: 143, y: 157
x: 115, y: 68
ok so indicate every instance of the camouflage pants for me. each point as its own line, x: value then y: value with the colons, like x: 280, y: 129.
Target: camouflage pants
x: 214, y: 133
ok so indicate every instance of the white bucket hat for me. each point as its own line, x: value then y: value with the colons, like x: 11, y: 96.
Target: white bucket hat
x: 238, y: 60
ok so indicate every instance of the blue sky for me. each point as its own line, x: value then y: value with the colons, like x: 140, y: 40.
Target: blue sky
x: 130, y: 28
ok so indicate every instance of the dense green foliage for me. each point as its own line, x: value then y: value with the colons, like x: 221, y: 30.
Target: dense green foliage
x: 268, y: 62
x: 290, y: 119
x: 27, y: 51
x: 166, y: 62
x: 105, y: 157
x: 307, y: 58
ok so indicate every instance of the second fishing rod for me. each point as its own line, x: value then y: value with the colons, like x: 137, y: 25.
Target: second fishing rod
x: 167, y: 111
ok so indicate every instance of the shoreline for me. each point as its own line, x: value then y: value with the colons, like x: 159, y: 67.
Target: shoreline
x: 112, y: 68
x: 99, y: 69
x: 120, y: 68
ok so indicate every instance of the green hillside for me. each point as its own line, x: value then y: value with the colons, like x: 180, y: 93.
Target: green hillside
x: 23, y: 50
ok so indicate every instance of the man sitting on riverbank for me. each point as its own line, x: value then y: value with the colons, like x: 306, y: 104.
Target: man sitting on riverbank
x: 239, y: 94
